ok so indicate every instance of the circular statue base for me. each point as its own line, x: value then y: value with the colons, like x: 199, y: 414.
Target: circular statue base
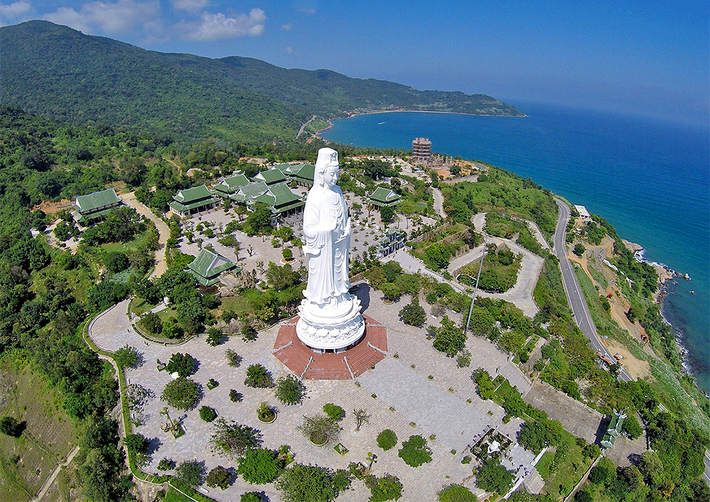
x: 334, y: 326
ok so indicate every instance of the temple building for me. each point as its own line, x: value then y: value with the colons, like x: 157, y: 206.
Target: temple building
x: 613, y: 430
x: 207, y: 267
x: 93, y: 207
x: 282, y: 200
x: 271, y: 177
x: 230, y: 185
x: 384, y: 197
x: 193, y: 200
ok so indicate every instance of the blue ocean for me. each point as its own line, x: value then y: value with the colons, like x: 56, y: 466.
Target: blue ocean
x: 648, y: 178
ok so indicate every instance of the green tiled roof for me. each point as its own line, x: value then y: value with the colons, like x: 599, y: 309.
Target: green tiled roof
x: 190, y: 195
x: 280, y: 198
x: 272, y: 176
x: 247, y: 193
x: 304, y: 174
x: 231, y: 184
x: 96, y: 201
x: 83, y: 218
x: 207, y: 266
x: 384, y: 197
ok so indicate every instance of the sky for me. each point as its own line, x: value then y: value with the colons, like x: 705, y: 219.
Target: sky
x: 643, y: 57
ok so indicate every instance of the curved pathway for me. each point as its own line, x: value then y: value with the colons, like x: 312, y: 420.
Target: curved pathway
x: 575, y: 297
x: 163, y: 231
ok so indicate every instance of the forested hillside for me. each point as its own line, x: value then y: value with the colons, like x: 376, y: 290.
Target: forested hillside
x: 94, y: 80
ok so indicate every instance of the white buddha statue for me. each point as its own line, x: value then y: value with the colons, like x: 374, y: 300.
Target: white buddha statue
x: 330, y: 315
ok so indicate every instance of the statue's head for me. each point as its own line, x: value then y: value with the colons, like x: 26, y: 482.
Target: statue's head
x: 327, y: 162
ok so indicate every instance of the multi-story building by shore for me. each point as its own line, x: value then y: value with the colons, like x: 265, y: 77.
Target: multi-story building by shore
x: 421, y: 150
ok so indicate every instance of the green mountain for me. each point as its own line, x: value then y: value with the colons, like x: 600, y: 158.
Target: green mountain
x: 59, y: 72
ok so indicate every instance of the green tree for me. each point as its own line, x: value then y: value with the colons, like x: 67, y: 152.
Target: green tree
x: 207, y: 414
x: 579, y: 249
x: 456, y: 493
x: 191, y: 472
x: 290, y: 390
x: 126, y: 357
x: 259, y: 466
x: 449, y: 338
x: 115, y: 261
x: 632, y: 427
x: 233, y: 439
x: 214, y: 336
x: 218, y: 477
x: 413, y: 314
x: 386, y: 213
x: 390, y: 291
x: 258, y: 376
x: 320, y: 430
x: 151, y: 323
x: 306, y: 482
x: 259, y: 220
x: 388, y: 487
x: 11, y: 427
x: 387, y: 439
x: 415, y: 451
x: 136, y: 443
x: 181, y: 393
x: 493, y: 477
x: 333, y: 411
x: 182, y: 364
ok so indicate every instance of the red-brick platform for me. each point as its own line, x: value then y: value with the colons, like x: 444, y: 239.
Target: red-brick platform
x: 297, y: 356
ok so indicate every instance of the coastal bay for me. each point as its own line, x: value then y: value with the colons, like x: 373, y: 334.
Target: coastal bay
x: 647, y: 178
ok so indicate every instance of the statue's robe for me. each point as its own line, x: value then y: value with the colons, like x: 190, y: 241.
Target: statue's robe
x: 327, y: 235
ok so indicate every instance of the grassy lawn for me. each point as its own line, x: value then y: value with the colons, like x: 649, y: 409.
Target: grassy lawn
x: 564, y: 471
x: 26, y: 462
x: 173, y: 495
x: 139, y: 306
x: 543, y: 466
x: 236, y: 304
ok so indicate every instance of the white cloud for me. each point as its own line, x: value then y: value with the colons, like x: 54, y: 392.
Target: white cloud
x: 112, y: 18
x: 190, y: 5
x: 218, y: 26
x: 14, y: 10
x: 289, y: 49
x: 286, y: 27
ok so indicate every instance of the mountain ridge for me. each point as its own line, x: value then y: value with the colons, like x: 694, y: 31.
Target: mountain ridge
x: 88, y: 79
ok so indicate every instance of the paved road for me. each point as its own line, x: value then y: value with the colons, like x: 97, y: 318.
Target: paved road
x: 575, y: 297
x: 163, y: 231
x: 438, y: 202
x: 706, y: 474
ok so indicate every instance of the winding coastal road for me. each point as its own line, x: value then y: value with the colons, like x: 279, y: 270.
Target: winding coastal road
x: 575, y: 297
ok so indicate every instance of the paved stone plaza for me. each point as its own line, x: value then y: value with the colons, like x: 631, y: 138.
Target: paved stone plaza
x: 407, y: 401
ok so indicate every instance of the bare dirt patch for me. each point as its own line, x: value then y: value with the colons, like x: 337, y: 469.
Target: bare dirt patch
x: 635, y: 367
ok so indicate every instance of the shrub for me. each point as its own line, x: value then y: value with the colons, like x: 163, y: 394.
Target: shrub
x: 287, y: 254
x: 258, y: 377
x: 333, y: 411
x: 219, y: 476
x: 235, y: 396
x: 387, y: 439
x: 265, y: 412
x: 259, y: 466
x: 307, y: 483
x: 207, y: 414
x: 151, y: 323
x: 250, y: 497
x: 166, y: 464
x: 415, y: 451
x: 233, y: 358
x: 290, y: 390
x: 413, y: 315
x: 212, y: 383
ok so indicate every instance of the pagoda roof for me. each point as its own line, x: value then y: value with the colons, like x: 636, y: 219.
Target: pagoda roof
x: 384, y: 197
x: 194, y: 194
x: 280, y: 198
x: 271, y: 177
x: 207, y: 266
x: 96, y: 201
x: 247, y: 193
x: 232, y: 183
x: 303, y: 173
